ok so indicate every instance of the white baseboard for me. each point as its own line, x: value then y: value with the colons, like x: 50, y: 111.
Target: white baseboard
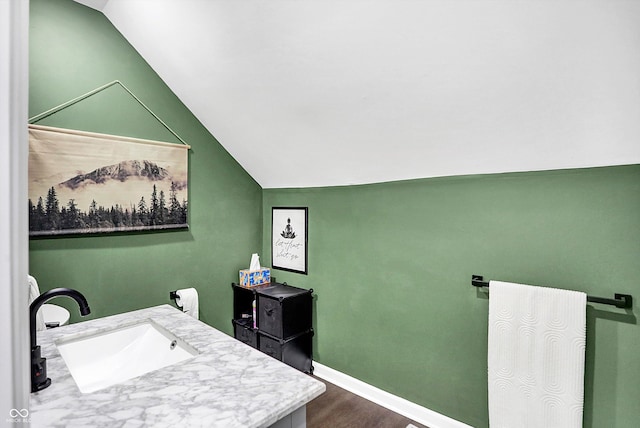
x: 392, y: 402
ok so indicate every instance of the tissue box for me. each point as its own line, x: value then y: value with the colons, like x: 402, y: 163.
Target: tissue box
x: 253, y: 278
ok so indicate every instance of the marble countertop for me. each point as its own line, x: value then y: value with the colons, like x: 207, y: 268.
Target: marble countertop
x: 228, y: 384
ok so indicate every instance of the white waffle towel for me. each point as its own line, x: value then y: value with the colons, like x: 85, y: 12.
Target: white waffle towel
x: 536, y: 356
x: 34, y: 292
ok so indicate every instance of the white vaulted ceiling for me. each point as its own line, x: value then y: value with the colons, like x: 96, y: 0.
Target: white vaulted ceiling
x: 333, y: 92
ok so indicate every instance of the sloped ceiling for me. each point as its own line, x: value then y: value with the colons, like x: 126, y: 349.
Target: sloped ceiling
x: 335, y: 92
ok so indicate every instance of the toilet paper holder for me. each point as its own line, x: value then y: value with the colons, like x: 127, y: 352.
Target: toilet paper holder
x: 173, y: 295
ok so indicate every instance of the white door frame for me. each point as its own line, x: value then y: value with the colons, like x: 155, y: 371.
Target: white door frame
x: 14, y: 240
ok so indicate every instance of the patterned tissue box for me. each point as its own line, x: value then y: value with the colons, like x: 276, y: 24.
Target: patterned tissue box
x: 253, y: 278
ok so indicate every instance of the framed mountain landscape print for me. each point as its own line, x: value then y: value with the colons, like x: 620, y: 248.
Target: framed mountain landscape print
x: 289, y: 239
x: 81, y: 182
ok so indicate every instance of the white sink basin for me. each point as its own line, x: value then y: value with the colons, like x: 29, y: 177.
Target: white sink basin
x: 108, y: 358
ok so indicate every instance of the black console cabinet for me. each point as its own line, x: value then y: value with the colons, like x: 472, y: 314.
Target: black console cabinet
x: 283, y: 322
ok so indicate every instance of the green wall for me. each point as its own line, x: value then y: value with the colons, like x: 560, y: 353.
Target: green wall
x: 391, y: 265
x: 73, y: 50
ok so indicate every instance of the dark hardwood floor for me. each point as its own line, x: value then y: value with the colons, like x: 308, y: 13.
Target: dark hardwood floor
x: 338, y: 408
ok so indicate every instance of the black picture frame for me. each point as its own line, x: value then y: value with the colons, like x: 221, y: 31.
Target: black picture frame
x: 289, y: 239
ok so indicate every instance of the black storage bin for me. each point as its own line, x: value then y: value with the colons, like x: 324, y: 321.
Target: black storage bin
x: 243, y: 331
x: 284, y: 311
x: 294, y: 351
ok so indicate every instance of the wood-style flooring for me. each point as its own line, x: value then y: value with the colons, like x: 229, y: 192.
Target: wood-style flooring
x: 338, y: 408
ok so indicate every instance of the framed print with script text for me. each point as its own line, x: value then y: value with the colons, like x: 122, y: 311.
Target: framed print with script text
x: 289, y: 226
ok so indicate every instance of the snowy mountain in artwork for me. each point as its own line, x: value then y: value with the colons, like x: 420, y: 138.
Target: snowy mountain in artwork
x: 122, y: 171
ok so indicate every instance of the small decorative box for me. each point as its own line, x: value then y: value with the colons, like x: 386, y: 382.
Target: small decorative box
x: 253, y: 278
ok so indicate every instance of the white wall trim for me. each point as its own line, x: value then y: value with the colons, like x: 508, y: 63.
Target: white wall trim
x: 14, y: 319
x: 392, y: 402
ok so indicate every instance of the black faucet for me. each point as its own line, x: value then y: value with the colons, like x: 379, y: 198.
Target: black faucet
x: 39, y: 379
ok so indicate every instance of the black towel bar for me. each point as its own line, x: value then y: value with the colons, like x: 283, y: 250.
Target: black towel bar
x: 624, y: 301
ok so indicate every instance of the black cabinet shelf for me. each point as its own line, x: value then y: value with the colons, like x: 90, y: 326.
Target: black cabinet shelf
x: 283, y: 322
